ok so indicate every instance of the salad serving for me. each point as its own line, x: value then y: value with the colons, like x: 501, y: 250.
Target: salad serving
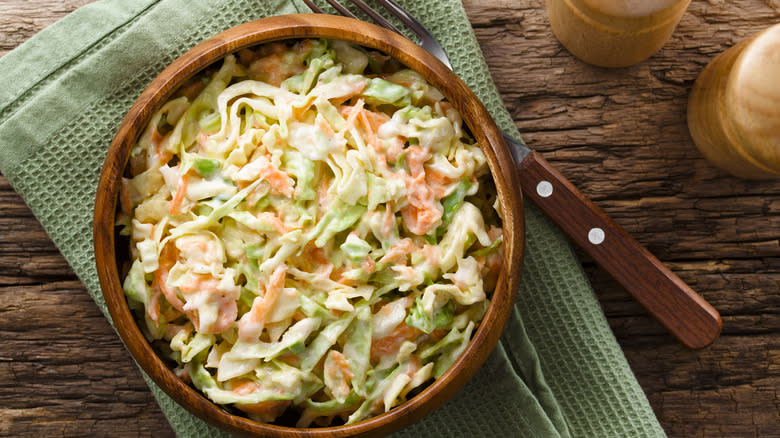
x: 312, y: 231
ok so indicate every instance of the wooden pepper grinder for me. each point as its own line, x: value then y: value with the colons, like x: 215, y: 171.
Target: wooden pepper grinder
x: 734, y: 108
x: 614, y: 33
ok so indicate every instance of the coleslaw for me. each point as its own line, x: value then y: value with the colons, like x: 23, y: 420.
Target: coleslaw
x: 311, y: 230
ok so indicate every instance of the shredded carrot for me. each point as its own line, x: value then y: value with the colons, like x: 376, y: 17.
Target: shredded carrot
x: 391, y: 343
x: 325, y: 127
x: 243, y: 386
x: 268, y: 69
x: 398, y: 80
x: 398, y: 250
x: 413, y: 366
x: 351, y: 113
x: 271, y: 66
x: 438, y: 182
x: 313, y: 259
x: 370, y: 135
x: 275, y: 221
x: 421, y: 214
x: 338, y: 369
x: 168, y: 257
x: 299, y: 112
x: 357, y: 87
x: 420, y: 220
x: 251, y: 324
x: 376, y: 119
x: 188, y: 245
x: 280, y: 182
x: 153, y: 309
x: 323, y: 198
x: 340, y: 365
x: 162, y: 154
x: 415, y: 159
x: 228, y: 308
x: 338, y: 276
x: 172, y: 330
x: 431, y: 252
x: 389, y: 220
x: 181, y: 189
x: 370, y: 120
x: 444, y: 105
x: 268, y: 410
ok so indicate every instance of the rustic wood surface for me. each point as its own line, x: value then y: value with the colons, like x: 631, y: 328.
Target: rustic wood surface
x: 619, y: 135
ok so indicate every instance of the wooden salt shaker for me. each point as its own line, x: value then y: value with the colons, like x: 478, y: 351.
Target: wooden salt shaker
x: 734, y: 108
x: 614, y: 33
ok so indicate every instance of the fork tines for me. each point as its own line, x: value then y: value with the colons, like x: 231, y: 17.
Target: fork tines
x: 375, y: 16
x: 426, y: 39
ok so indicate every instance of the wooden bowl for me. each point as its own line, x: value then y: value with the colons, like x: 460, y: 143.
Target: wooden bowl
x: 287, y: 27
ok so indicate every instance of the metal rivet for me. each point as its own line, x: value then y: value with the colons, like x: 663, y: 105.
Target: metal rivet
x: 596, y: 236
x: 544, y: 189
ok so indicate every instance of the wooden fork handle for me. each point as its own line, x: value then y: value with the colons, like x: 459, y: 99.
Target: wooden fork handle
x: 691, y: 319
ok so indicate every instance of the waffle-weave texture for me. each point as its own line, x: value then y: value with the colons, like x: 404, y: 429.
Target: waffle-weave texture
x: 557, y: 371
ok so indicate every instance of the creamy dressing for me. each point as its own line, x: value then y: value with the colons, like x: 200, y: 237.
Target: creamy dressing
x: 310, y: 235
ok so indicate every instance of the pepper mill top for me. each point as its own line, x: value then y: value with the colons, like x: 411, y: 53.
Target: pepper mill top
x: 734, y: 108
x: 614, y: 33
x: 629, y: 8
x: 752, y: 99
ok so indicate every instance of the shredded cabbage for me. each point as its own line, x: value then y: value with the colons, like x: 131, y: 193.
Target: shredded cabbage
x: 307, y: 235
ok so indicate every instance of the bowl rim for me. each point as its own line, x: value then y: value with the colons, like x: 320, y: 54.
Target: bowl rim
x: 299, y: 26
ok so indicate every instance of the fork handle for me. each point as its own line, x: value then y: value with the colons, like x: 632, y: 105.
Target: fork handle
x: 693, y: 321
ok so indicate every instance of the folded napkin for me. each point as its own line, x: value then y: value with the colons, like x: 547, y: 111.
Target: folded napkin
x: 557, y: 371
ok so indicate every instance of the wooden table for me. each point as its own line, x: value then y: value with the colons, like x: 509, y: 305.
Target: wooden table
x: 619, y: 135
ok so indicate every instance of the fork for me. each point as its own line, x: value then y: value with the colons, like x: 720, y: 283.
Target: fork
x: 684, y: 313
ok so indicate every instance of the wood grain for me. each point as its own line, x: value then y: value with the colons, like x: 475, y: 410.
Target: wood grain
x: 619, y: 135
x: 21, y: 19
x: 52, y: 381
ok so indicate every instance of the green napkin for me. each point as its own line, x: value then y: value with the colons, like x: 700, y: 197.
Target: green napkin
x: 557, y: 371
